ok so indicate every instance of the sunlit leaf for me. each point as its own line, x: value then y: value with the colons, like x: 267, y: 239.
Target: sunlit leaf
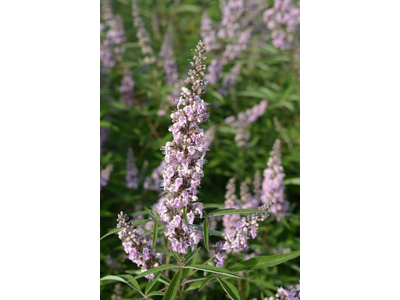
x: 213, y: 269
x: 155, y: 270
x: 260, y: 262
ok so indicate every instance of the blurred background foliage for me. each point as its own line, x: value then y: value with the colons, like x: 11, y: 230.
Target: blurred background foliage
x: 267, y: 73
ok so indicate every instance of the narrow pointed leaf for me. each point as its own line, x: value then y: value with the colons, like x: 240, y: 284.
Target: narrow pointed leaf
x: 132, y: 281
x: 213, y: 269
x: 206, y: 234
x: 230, y: 289
x: 230, y: 211
x: 261, y: 262
x: 156, y: 293
x: 110, y: 233
x: 177, y: 258
x: 155, y: 233
x: 164, y: 279
x: 134, y: 285
x: 185, y: 215
x: 155, y: 270
x: 172, y: 290
x: 191, y: 255
x: 153, y: 214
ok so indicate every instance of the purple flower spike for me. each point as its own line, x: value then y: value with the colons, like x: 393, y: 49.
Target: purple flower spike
x: 272, y: 186
x: 184, y: 158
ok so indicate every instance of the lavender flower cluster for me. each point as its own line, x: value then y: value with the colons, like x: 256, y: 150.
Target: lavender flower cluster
x: 208, y: 33
x: 185, y: 158
x: 132, y: 181
x: 138, y: 248
x: 126, y: 89
x: 142, y: 34
x: 237, y: 241
x: 246, y: 198
x: 231, y: 51
x: 153, y: 182
x: 292, y: 293
x: 283, y: 20
x: 110, y: 46
x: 244, y: 119
x: 272, y: 186
x: 235, y: 31
x: 167, y: 54
x: 231, y: 12
x: 105, y: 175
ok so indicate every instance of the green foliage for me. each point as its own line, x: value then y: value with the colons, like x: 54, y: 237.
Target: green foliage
x: 206, y: 234
x: 173, y: 287
x: 260, y: 262
x: 230, y: 289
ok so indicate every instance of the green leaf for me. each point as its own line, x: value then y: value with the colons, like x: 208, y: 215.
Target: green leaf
x: 110, y: 233
x: 127, y: 279
x: 132, y: 281
x: 187, y: 8
x: 172, y: 290
x: 155, y: 233
x: 191, y: 255
x: 294, y: 181
x: 254, y: 94
x: 151, y: 283
x: 205, y: 282
x: 153, y: 214
x: 230, y: 289
x: 261, y: 262
x: 177, y: 258
x: 213, y: 269
x: 156, y: 293
x: 230, y: 211
x: 185, y: 215
x: 155, y: 270
x: 206, y: 234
